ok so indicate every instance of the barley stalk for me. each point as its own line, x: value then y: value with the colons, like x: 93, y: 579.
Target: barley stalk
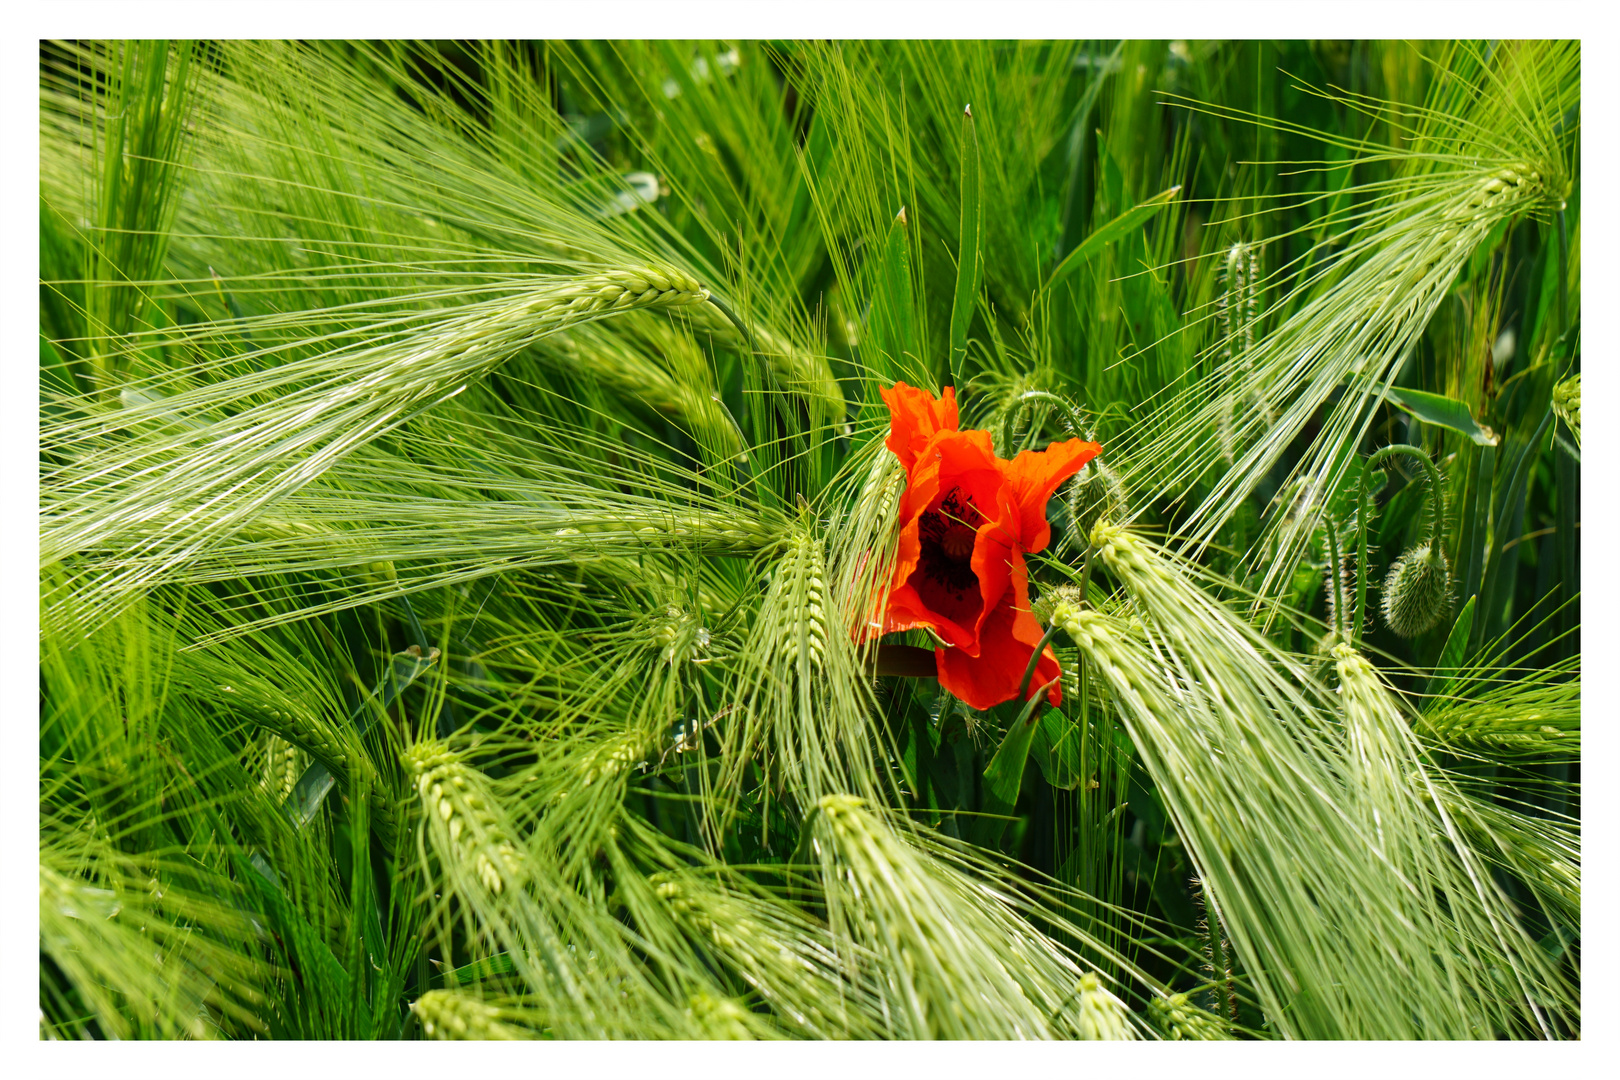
x: 401, y: 529
x: 788, y: 961
x: 1235, y: 310
x: 1545, y: 853
x: 518, y: 898
x: 1101, y: 1015
x: 804, y: 697
x: 1490, y: 726
x: 804, y: 577
x: 614, y: 757
x: 148, y: 956
x: 388, y: 545
x: 303, y: 730
x: 656, y: 361
x: 1206, y: 699
x: 954, y: 959
x: 1392, y: 782
x: 283, y: 763
x: 793, y: 368
x: 1410, y: 252
x: 864, y: 543
x: 719, y: 1018
x: 297, y: 726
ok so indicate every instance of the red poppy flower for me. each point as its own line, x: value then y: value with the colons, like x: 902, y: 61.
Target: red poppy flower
x: 967, y: 520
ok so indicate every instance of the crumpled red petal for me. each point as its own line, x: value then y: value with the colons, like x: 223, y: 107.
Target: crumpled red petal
x: 1034, y: 475
x: 916, y: 416
x: 1009, y: 637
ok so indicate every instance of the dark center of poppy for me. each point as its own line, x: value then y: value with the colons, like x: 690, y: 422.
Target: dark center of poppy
x: 947, y: 533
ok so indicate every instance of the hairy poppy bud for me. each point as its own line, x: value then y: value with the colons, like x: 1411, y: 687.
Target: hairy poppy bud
x: 1096, y: 496
x: 1057, y: 604
x: 1417, y: 591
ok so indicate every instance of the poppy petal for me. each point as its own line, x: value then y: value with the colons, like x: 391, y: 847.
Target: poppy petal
x: 921, y: 487
x: 909, y: 610
x: 996, y: 561
x: 915, y: 417
x: 1034, y: 474
x: 1028, y: 631
x: 986, y: 680
x: 992, y: 677
x: 960, y: 466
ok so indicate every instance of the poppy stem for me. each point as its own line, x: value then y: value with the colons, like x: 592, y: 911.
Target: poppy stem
x: 1032, y: 707
x: 1034, y: 658
x: 1010, y: 434
x: 1337, y: 594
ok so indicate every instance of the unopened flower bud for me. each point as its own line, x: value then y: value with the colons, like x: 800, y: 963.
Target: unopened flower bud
x: 1417, y: 591
x: 1095, y: 495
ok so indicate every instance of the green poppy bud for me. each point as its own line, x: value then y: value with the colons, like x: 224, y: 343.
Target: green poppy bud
x: 1095, y: 495
x: 1417, y: 591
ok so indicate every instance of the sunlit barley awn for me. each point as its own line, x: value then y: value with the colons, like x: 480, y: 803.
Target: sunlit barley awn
x: 657, y: 540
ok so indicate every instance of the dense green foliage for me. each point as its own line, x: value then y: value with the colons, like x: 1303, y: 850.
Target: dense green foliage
x: 463, y: 488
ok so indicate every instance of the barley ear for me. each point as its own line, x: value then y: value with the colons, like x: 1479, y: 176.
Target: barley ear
x: 470, y: 832
x: 452, y: 1015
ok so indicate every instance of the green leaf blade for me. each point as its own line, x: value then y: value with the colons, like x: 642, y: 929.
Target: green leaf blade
x: 1453, y: 654
x: 1441, y: 411
x: 1092, y: 246
x: 968, y: 255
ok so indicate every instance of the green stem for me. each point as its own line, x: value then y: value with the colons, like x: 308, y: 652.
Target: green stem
x: 1076, y: 419
x: 1363, y: 512
x: 1563, y: 274
x: 748, y: 337
x: 1035, y: 658
x: 1221, y: 990
x: 1008, y: 427
x: 1032, y: 708
x: 1085, y: 573
x: 1336, y: 568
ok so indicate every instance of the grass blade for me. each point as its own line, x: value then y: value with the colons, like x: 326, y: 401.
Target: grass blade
x: 1100, y: 238
x: 968, y: 258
